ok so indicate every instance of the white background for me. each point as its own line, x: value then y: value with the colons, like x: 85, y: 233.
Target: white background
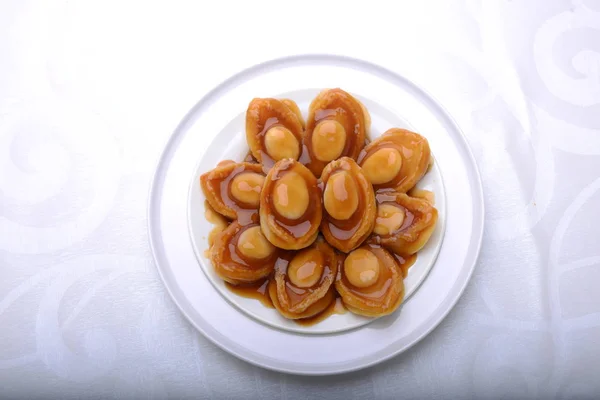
x: 90, y: 91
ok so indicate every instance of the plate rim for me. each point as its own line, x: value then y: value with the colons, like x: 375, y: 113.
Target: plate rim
x: 303, y: 58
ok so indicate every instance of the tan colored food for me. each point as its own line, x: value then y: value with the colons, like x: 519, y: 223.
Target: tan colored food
x: 404, y: 223
x: 362, y: 268
x: 349, y: 203
x: 371, y: 282
x: 290, y: 206
x: 336, y: 127
x: 242, y: 255
x: 273, y: 131
x: 291, y: 104
x: 398, y: 159
x: 304, y: 286
x: 233, y: 189
x: 317, y: 220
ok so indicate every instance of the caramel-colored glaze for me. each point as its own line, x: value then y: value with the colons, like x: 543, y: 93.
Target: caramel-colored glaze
x: 340, y: 197
x: 291, y: 104
x: 351, y: 119
x: 246, y: 188
x: 313, y: 310
x: 281, y: 223
x: 217, y: 188
x: 328, y: 140
x: 405, y: 262
x: 294, y: 300
x: 414, y: 151
x: 291, y: 195
x: 381, y: 297
x: 420, y: 218
x: 335, y: 307
x: 281, y: 143
x: 389, y: 219
x: 258, y: 291
x: 306, y: 268
x: 253, y: 244
x: 268, y: 117
x: 383, y: 165
x: 235, y: 267
x: 347, y: 234
x: 369, y: 209
x: 362, y: 268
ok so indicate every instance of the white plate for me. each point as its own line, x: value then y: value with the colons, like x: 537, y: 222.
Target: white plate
x: 397, y: 102
x: 230, y: 143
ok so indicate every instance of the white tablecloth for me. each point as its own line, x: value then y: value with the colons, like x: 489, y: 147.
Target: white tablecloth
x: 90, y: 91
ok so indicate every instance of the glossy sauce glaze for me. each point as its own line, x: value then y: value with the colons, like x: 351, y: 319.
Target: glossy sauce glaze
x: 267, y: 160
x: 388, y: 196
x: 405, y: 262
x: 379, y: 290
x: 319, y: 265
x: 273, y: 125
x: 335, y: 307
x: 414, y: 153
x: 248, y: 242
x: 349, y: 204
x: 260, y: 291
x: 340, y: 107
x: 344, y: 229
x: 370, y: 282
x: 230, y: 262
x: 246, y: 214
x: 307, y: 222
x: 418, y: 218
x: 257, y: 290
x: 217, y: 187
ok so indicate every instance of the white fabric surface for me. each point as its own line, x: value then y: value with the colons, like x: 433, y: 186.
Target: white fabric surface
x: 90, y: 91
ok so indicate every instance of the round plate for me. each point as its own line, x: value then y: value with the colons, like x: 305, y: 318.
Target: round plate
x: 230, y: 144
x: 245, y: 337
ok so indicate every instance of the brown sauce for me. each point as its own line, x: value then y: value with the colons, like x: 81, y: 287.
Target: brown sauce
x: 231, y: 264
x: 405, y: 262
x: 225, y: 233
x: 258, y: 291
x: 379, y: 289
x: 246, y: 214
x: 406, y: 146
x: 296, y: 294
x: 272, y: 120
x: 384, y: 196
x: 343, y: 230
x: 300, y: 227
x: 340, y: 110
x: 232, y: 256
x: 406, y: 154
x: 335, y: 307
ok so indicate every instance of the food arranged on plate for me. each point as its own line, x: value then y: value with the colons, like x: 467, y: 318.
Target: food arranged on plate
x: 318, y: 219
